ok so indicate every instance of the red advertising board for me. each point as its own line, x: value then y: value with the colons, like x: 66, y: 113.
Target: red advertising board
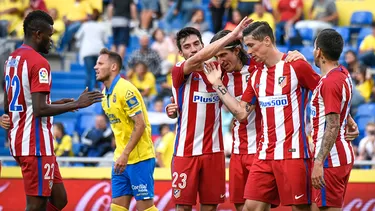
x: 95, y: 195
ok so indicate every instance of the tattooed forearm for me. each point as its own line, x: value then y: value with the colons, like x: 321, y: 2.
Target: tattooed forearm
x: 222, y: 89
x: 248, y: 107
x: 330, y: 135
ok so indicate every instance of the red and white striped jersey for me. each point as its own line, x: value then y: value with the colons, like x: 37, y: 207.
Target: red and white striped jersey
x: 244, y: 134
x: 282, y: 93
x: 332, y: 95
x: 26, y: 72
x: 199, y: 129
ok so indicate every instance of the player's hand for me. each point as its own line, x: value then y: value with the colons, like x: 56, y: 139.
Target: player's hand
x: 171, y: 109
x: 63, y: 101
x: 317, y: 175
x: 352, y: 131
x: 88, y: 98
x: 293, y: 56
x: 5, y: 121
x: 237, y: 32
x: 121, y: 163
x: 213, y: 73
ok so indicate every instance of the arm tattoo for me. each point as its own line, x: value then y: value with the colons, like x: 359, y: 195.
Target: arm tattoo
x: 248, y: 107
x: 222, y: 89
x: 330, y: 135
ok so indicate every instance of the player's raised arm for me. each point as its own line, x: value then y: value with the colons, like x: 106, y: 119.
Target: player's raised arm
x: 41, y: 108
x: 210, y: 50
x: 240, y: 110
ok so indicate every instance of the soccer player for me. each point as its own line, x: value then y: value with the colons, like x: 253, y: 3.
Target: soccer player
x: 238, y: 67
x: 198, y: 164
x: 281, y: 170
x: 330, y: 105
x: 134, y: 157
x: 28, y: 104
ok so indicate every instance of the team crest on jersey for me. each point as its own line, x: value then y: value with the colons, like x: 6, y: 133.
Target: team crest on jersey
x: 132, y: 102
x: 177, y: 193
x: 50, y: 184
x: 114, y: 98
x: 43, y: 76
x: 282, y: 81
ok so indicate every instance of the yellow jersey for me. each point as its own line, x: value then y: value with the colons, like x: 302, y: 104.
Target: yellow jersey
x: 166, y: 148
x: 148, y: 82
x: 66, y: 144
x: 267, y: 17
x: 121, y: 102
x: 368, y: 43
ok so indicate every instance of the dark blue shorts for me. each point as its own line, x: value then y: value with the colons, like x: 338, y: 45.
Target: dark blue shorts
x: 121, y: 35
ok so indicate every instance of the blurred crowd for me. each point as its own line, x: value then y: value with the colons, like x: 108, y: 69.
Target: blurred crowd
x: 143, y: 33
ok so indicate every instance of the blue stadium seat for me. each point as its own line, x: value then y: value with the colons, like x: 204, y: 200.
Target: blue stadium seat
x: 84, y: 122
x: 367, y: 109
x: 307, y: 51
x: 306, y: 34
x: 69, y: 126
x: 362, y: 34
x: 282, y: 48
x: 361, y: 18
x: 364, y: 115
x: 77, y: 67
x: 345, y: 33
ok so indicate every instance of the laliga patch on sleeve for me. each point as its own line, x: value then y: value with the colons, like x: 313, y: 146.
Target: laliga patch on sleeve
x: 179, y: 63
x: 132, y: 102
x: 43, y: 76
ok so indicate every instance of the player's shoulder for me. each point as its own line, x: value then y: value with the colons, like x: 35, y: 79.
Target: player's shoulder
x: 300, y: 63
x: 179, y: 65
x: 127, y: 88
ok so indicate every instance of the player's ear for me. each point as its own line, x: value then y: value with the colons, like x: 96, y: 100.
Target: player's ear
x: 267, y: 41
x: 113, y: 66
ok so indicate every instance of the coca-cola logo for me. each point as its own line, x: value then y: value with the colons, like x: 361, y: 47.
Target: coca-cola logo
x: 98, y: 198
x: 101, y: 203
x: 359, y: 204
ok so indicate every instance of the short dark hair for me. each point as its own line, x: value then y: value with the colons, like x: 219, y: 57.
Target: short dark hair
x: 231, y: 46
x: 112, y: 56
x: 259, y: 30
x: 163, y: 126
x: 186, y: 32
x: 61, y: 127
x: 331, y: 44
x: 36, y: 20
x: 141, y: 63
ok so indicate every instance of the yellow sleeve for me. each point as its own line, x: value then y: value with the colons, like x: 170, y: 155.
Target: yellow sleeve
x: 55, y: 145
x: 162, y: 146
x: 133, y: 100
x: 151, y: 84
x: 66, y: 143
x: 165, y: 142
x: 365, y: 45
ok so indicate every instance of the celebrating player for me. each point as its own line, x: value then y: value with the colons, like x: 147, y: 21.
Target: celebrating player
x: 198, y: 163
x: 27, y: 102
x: 238, y: 67
x: 132, y: 172
x: 330, y: 105
x: 281, y: 171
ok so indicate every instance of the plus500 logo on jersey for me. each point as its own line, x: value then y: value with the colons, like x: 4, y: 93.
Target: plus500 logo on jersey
x: 273, y: 101
x: 205, y: 97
